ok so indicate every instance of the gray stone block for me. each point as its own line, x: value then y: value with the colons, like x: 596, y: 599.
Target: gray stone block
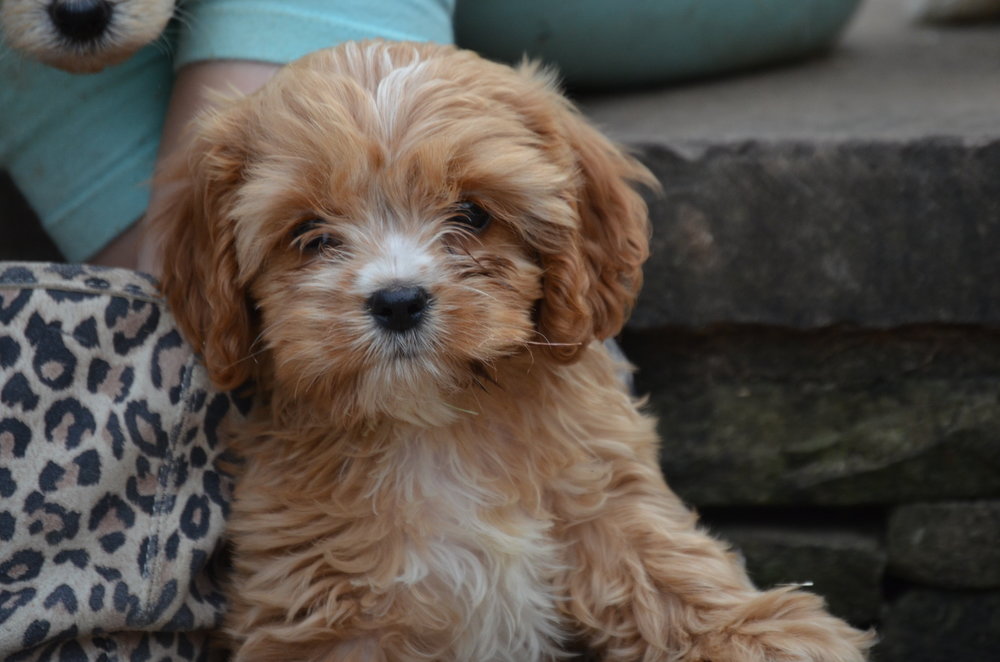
x: 941, y: 626
x: 951, y: 545
x: 765, y: 416
x: 856, y: 188
x: 809, y: 235
x: 843, y: 566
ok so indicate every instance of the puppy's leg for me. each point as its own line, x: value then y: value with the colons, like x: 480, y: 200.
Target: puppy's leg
x: 306, y: 607
x: 362, y: 650
x: 645, y: 584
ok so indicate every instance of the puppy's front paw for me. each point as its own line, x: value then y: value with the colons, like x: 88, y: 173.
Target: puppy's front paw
x: 785, y: 625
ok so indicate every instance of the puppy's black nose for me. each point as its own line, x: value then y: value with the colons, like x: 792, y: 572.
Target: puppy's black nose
x: 81, y: 21
x: 398, y: 308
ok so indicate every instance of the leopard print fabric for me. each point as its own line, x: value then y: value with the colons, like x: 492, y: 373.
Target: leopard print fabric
x: 112, y: 501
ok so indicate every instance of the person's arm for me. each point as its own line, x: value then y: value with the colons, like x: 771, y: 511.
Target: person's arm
x: 132, y: 249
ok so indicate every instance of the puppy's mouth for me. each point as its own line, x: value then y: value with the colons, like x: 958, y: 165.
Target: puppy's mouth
x: 407, y: 352
x: 401, y: 347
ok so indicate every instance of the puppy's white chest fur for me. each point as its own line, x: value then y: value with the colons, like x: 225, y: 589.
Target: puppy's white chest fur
x: 492, y: 560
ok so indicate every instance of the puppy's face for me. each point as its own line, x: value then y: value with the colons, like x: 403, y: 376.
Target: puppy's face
x: 379, y: 267
x: 82, y: 36
x: 383, y: 223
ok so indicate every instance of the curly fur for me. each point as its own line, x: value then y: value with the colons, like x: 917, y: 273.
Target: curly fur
x: 27, y: 26
x: 479, y: 488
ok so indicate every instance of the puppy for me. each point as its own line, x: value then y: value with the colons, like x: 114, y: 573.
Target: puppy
x: 413, y: 253
x: 82, y: 36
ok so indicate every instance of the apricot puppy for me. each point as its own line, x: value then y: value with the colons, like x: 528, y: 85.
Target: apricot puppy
x: 414, y: 254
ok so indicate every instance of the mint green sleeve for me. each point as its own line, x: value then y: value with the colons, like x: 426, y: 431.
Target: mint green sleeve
x: 81, y: 148
x: 282, y: 30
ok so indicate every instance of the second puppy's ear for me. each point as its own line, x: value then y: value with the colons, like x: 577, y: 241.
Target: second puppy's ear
x: 196, y: 235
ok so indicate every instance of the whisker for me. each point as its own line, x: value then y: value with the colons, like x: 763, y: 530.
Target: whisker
x: 247, y: 358
x: 312, y: 382
x: 478, y: 291
x: 259, y: 338
x: 163, y: 45
x: 552, y: 344
x: 184, y: 17
x: 531, y: 355
x: 479, y: 370
x: 473, y: 257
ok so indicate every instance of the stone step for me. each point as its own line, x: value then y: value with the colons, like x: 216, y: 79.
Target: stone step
x: 941, y: 626
x: 948, y: 545
x: 859, y: 187
x: 758, y: 416
x: 844, y: 565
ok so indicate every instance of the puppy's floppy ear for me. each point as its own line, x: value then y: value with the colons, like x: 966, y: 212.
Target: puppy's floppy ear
x: 200, y: 275
x: 591, y: 284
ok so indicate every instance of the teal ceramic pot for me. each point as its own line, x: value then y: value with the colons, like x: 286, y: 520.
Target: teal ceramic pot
x: 628, y: 43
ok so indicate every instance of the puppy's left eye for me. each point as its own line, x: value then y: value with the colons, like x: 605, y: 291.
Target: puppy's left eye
x: 309, y: 236
x: 471, y: 216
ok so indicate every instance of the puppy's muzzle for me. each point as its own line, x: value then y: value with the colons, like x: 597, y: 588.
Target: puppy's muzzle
x: 81, y: 21
x: 399, y: 308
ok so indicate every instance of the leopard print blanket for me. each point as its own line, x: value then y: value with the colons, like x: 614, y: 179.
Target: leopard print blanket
x: 112, y: 501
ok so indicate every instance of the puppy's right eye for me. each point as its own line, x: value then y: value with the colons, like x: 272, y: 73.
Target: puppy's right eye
x: 472, y: 216
x: 311, y: 235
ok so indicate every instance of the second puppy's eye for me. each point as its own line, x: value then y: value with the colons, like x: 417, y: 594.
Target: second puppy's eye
x: 310, y: 236
x: 472, y: 216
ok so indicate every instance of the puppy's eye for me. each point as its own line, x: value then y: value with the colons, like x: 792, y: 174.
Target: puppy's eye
x: 472, y: 216
x: 310, y: 236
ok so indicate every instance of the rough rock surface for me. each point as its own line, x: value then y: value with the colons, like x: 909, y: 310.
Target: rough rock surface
x: 941, y: 626
x: 844, y: 566
x: 833, y: 417
x: 951, y: 545
x: 810, y: 234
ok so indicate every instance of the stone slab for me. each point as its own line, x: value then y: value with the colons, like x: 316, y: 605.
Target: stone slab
x: 888, y: 81
x: 941, y: 626
x: 842, y: 565
x: 839, y: 417
x: 810, y: 235
x: 949, y: 545
x: 858, y: 187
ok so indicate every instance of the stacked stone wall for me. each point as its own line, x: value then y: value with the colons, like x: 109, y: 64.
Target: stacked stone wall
x: 819, y: 336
